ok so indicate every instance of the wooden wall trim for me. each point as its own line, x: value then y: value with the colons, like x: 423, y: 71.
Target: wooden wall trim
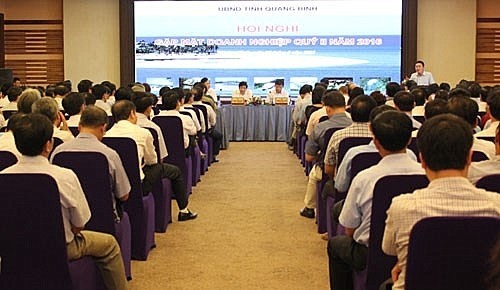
x: 2, y: 41
x: 36, y: 22
x: 488, y: 20
x: 408, y: 37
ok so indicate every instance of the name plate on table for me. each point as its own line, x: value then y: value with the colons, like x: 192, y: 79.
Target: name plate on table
x: 238, y: 101
x: 281, y: 101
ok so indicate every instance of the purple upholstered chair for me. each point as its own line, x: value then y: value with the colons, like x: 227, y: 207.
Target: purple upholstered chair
x: 162, y: 193
x: 7, y: 159
x: 140, y: 208
x: 413, y: 147
x: 321, y: 204
x: 94, y: 179
x: 478, y: 156
x: 210, y: 151
x: 171, y: 127
x: 74, y: 130
x: 491, y: 139
x: 451, y: 252
x: 359, y: 163
x: 379, y: 265
x: 490, y: 183
x: 32, y: 239
x: 202, y: 143
x: 195, y: 154
x: 7, y: 114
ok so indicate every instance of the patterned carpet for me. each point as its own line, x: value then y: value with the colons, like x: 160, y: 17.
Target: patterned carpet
x: 248, y: 235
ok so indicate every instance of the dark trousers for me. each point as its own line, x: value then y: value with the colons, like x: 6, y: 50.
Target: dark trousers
x: 345, y: 255
x: 154, y: 173
x: 217, y: 139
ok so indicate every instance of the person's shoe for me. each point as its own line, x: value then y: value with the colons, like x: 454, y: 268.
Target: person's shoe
x: 215, y: 160
x: 203, y: 156
x: 307, y: 212
x: 186, y: 216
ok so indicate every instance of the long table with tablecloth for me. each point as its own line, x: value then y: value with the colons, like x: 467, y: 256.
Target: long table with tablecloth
x: 255, y: 123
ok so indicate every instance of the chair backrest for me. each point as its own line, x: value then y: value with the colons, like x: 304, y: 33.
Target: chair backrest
x: 196, y: 110
x: 111, y: 122
x: 328, y: 135
x: 349, y: 142
x: 363, y: 161
x: 451, y: 252
x: 490, y: 183
x: 74, y: 131
x: 491, y: 139
x: 309, y: 110
x: 386, y: 188
x: 420, y: 119
x: 95, y: 181
x: 186, y: 114
x: 7, y: 159
x: 204, y: 110
x: 478, y: 156
x: 8, y: 114
x: 171, y: 127
x: 323, y: 118
x: 156, y: 143
x: 57, y: 142
x: 127, y: 149
x: 32, y: 238
x: 413, y: 147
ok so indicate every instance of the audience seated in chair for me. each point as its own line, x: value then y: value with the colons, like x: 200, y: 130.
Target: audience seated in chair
x: 315, y: 111
x: 7, y: 142
x: 197, y: 92
x: 361, y: 107
x: 391, y: 136
x: 74, y: 104
x: 151, y: 171
x: 92, y: 129
x: 445, y: 143
x: 405, y: 102
x: 33, y: 135
x: 467, y: 109
x: 478, y: 170
x: 492, y: 109
x: 48, y: 106
x: 335, y: 109
x: 343, y: 176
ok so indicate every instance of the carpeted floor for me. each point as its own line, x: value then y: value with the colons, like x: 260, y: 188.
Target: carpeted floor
x: 249, y: 234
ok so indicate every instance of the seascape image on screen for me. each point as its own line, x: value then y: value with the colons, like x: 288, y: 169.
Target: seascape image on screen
x: 263, y: 85
x: 158, y: 83
x: 374, y: 84
x: 259, y: 39
x: 188, y: 83
x: 336, y: 83
x: 226, y: 86
x: 297, y: 82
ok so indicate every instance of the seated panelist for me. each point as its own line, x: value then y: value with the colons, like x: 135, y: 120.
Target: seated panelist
x: 243, y: 92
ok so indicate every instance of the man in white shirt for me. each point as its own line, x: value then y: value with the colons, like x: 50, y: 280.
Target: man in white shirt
x: 445, y: 143
x: 210, y: 91
x: 74, y: 104
x: 316, y: 99
x: 405, y: 102
x: 171, y: 105
x: 492, y: 108
x: 151, y: 171
x: 391, y: 134
x: 277, y: 92
x: 33, y: 135
x: 48, y: 106
x: 7, y: 142
x: 212, y: 119
x: 144, y: 105
x: 13, y: 94
x: 467, y: 109
x: 421, y: 77
x: 101, y: 94
x: 478, y: 170
x: 243, y: 92
x: 60, y: 92
x: 187, y: 106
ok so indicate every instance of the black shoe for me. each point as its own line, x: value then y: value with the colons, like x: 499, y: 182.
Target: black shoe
x: 186, y: 216
x: 215, y: 160
x: 307, y: 212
